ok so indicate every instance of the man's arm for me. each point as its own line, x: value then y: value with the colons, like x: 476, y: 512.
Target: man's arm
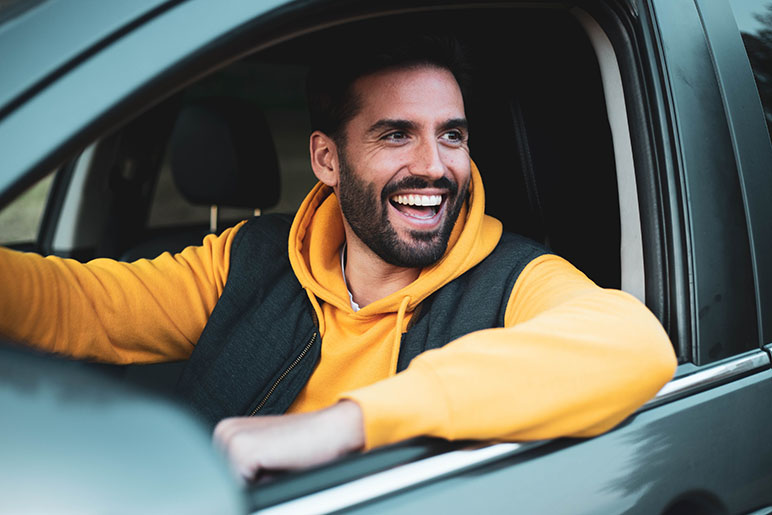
x: 146, y: 311
x: 288, y: 442
x: 574, y: 360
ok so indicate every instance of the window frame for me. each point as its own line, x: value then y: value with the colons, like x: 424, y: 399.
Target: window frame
x: 752, y: 145
x: 719, y: 283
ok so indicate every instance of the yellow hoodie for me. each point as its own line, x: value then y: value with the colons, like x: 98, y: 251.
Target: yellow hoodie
x: 573, y: 359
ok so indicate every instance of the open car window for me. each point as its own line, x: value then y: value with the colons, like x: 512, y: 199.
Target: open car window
x: 544, y: 150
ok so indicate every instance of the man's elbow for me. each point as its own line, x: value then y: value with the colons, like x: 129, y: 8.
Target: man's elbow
x: 646, y: 362
x: 656, y: 357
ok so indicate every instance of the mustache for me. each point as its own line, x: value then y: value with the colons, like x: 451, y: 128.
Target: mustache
x: 416, y: 183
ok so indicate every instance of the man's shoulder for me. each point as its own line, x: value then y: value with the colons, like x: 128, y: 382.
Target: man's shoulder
x: 262, y: 239
x: 501, y: 268
x: 269, y: 229
x: 270, y: 222
x: 515, y: 247
x: 507, y: 261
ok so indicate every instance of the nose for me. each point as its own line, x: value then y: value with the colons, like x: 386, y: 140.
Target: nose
x: 427, y: 161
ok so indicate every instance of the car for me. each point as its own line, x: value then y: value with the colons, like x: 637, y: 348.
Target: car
x: 630, y: 136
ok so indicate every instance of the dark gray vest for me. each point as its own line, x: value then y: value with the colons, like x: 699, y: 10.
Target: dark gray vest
x: 261, y: 343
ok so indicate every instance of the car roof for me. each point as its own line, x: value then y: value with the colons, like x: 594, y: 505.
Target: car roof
x: 40, y: 40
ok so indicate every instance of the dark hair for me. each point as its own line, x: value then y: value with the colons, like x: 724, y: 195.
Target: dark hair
x: 331, y: 100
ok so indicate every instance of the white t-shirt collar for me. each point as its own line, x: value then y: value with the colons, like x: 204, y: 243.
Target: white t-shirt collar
x: 354, y: 305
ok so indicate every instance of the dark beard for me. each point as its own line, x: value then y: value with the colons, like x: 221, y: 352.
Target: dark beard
x: 358, y: 202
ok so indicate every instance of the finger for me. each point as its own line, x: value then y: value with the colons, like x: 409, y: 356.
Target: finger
x: 226, y: 430
x: 222, y: 433
x: 244, y: 453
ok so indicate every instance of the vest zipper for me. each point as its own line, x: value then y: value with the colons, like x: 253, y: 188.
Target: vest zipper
x: 284, y: 374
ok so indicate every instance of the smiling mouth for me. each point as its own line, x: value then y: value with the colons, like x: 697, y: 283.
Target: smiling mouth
x: 421, y: 207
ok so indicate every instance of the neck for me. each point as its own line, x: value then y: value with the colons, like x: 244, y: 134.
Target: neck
x: 369, y: 277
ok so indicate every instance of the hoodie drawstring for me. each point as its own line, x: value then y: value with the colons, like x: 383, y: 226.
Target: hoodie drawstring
x: 398, y: 332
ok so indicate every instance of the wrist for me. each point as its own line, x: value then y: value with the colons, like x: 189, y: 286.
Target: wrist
x: 346, y: 415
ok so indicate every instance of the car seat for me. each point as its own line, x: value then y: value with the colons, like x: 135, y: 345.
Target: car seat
x: 222, y: 154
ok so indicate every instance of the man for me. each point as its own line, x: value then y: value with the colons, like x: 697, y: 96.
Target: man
x: 433, y: 322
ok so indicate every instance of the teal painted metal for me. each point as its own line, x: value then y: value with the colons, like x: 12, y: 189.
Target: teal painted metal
x: 75, y: 441
x: 68, y: 106
x: 723, y: 292
x: 752, y: 147
x: 53, y: 33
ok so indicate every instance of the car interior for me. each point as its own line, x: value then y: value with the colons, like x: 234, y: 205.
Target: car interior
x: 234, y: 144
x: 237, y: 139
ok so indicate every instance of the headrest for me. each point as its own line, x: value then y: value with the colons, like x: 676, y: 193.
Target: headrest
x: 222, y: 153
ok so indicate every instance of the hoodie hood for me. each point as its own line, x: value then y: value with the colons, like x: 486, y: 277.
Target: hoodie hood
x: 317, y: 235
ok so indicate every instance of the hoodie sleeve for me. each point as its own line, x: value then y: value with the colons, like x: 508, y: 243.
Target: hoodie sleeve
x: 573, y: 360
x: 110, y: 311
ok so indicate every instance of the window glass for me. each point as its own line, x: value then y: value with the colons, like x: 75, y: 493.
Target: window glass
x: 20, y: 220
x: 754, y: 19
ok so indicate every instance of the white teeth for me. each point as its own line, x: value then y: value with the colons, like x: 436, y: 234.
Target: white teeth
x: 418, y: 200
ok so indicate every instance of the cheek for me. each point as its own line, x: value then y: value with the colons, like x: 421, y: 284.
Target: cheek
x: 455, y: 156
x: 459, y: 164
x: 382, y: 171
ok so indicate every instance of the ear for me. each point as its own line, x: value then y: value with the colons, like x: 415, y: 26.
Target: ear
x: 324, y: 158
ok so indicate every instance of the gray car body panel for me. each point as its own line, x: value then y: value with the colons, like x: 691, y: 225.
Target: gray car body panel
x: 644, y: 466
x: 722, y: 288
x: 751, y: 142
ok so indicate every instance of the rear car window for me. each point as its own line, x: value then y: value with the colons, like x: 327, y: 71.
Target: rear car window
x: 20, y: 220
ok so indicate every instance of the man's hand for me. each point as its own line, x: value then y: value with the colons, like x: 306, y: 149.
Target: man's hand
x: 288, y: 442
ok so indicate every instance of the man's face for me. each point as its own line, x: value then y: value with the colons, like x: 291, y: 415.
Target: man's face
x: 404, y: 164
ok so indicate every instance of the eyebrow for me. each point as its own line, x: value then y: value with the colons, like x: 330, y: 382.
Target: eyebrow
x: 391, y: 124
x: 403, y: 125
x: 455, y: 123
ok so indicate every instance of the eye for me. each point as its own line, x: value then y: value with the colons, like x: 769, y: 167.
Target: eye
x: 395, y: 136
x: 453, y: 136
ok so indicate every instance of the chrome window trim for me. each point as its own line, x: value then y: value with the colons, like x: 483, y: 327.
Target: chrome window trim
x: 702, y: 379
x: 409, y: 475
x: 398, y: 478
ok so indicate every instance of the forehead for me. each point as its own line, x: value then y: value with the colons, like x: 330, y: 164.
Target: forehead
x: 409, y: 93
